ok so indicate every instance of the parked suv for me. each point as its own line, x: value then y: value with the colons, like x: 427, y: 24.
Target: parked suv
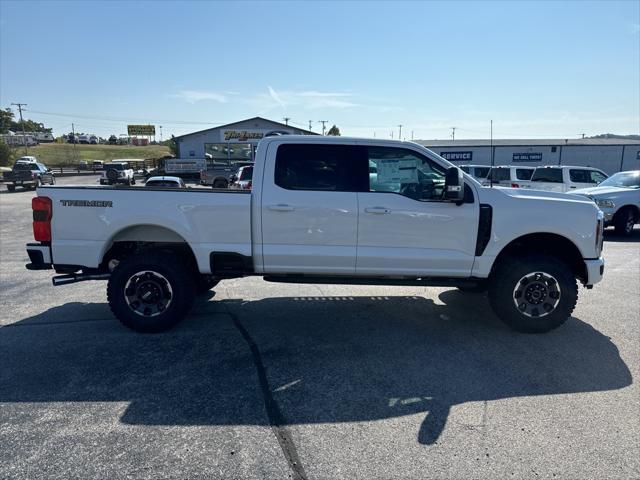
x: 114, y: 173
x: 565, y: 179
x: 619, y: 199
x: 509, y: 176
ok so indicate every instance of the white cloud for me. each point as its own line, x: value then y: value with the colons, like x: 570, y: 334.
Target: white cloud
x: 193, y: 96
x: 307, y: 99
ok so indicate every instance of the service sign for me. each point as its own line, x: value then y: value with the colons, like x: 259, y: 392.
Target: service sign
x: 148, y: 130
x: 457, y: 156
x: 527, y: 157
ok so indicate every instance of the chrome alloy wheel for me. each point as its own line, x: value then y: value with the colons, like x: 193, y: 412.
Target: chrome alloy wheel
x: 537, y: 294
x: 148, y: 293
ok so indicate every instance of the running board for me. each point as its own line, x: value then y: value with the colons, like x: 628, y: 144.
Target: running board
x: 420, y: 282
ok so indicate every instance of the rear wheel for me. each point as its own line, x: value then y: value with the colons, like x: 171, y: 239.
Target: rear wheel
x: 11, y: 188
x: 151, y: 292
x: 624, y: 221
x: 534, y: 293
x: 219, y: 184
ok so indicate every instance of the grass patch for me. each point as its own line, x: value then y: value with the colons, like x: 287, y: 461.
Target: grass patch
x: 58, y: 154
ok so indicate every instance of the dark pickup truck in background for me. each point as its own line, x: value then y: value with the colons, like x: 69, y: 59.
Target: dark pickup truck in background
x: 28, y: 175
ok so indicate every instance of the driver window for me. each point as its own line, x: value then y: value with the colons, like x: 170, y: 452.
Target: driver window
x: 397, y: 170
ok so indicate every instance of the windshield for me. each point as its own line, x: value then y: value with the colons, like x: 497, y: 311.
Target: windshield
x: 623, y: 180
x: 25, y: 166
x: 162, y: 184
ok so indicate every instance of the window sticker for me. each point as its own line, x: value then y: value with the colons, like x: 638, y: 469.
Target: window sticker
x: 398, y: 171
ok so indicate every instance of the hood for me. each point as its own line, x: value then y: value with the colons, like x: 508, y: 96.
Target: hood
x: 542, y: 195
x: 601, y: 191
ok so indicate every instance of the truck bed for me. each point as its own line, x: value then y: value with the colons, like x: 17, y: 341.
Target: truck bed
x: 87, y: 220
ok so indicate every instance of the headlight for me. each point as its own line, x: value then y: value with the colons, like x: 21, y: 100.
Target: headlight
x: 605, y: 203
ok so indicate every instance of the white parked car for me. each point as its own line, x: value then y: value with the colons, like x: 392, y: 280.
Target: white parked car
x: 27, y: 159
x: 117, y: 172
x: 565, y: 178
x: 316, y: 214
x: 165, y: 182
x: 509, y: 176
x: 619, y: 199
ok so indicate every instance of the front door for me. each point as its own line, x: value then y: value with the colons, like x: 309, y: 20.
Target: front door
x: 309, y: 209
x: 404, y: 227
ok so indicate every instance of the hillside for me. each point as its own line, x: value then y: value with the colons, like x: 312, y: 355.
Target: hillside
x: 54, y: 154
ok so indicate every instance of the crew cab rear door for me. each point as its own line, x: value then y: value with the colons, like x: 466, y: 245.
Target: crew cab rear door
x: 404, y: 227
x: 309, y: 209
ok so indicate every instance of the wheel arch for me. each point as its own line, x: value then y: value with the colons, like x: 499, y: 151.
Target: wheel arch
x: 552, y: 244
x: 134, y: 238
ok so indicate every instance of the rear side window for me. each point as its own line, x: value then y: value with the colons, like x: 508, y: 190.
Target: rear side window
x: 524, y: 173
x: 481, y: 172
x: 500, y: 174
x: 331, y: 168
x: 246, y: 174
x: 551, y: 175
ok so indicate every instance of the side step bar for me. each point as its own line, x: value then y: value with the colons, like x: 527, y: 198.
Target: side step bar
x: 78, y: 277
x: 382, y: 281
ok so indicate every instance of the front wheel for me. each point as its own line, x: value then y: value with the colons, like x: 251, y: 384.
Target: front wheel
x: 133, y: 181
x: 534, y: 293
x: 151, y: 292
x: 624, y: 221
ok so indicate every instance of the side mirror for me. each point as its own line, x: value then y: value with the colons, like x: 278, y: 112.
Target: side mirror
x: 454, y: 185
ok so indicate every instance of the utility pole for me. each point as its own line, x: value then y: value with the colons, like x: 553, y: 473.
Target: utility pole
x: 391, y: 135
x: 400, y: 132
x: 412, y: 135
x: 453, y: 133
x: 24, y: 135
x: 286, y: 120
x: 323, y: 122
x: 310, y: 122
x: 582, y: 135
x: 75, y: 140
x: 160, y: 133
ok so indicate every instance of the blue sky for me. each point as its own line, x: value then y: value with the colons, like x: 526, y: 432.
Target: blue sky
x: 545, y: 69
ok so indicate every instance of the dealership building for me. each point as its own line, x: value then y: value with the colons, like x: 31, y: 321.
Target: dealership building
x: 608, y: 154
x: 237, y: 141
x: 234, y: 141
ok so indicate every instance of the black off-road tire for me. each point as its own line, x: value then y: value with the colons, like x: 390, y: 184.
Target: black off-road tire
x: 624, y: 220
x: 180, y: 280
x: 11, y: 188
x: 506, y: 277
x: 220, y: 184
x: 133, y: 181
x: 204, y: 283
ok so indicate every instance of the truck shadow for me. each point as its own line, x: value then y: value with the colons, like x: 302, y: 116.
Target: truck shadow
x: 327, y: 359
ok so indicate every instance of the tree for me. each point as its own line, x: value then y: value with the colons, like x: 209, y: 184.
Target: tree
x: 6, y: 119
x: 335, y: 131
x: 7, y: 154
x: 173, y: 145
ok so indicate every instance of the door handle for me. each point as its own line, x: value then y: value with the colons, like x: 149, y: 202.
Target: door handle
x: 281, y: 208
x: 377, y: 210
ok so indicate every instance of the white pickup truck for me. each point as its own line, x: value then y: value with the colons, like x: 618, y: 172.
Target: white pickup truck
x: 317, y: 214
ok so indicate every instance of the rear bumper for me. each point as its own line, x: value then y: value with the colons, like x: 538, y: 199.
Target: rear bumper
x: 39, y: 256
x: 595, y: 270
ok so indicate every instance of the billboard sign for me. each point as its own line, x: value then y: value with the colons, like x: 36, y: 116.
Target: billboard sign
x: 527, y: 157
x: 147, y: 130
x: 457, y: 156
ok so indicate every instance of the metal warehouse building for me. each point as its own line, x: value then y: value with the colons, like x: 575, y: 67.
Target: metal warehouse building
x: 610, y: 155
x: 235, y: 141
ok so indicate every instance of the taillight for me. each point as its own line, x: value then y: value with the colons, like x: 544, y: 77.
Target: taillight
x: 515, y: 185
x: 42, y: 213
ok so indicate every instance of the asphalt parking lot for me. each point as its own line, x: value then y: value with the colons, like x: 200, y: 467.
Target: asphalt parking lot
x: 279, y: 381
